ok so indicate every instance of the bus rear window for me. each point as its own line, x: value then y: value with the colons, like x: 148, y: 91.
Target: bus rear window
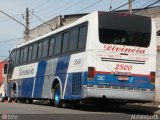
x: 132, y: 30
x: 122, y: 37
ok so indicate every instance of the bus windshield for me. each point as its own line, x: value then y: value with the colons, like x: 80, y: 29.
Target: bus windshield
x: 129, y: 30
x: 122, y: 37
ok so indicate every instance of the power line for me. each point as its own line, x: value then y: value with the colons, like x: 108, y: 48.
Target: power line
x: 3, y: 56
x: 84, y: 8
x: 12, y: 18
x: 43, y: 22
x: 32, y: 2
x: 123, y: 5
x: 25, y: 26
x: 42, y: 4
x: 7, y: 44
x: 47, y: 7
x: 68, y: 6
x: 148, y: 3
x: 147, y: 6
x: 11, y: 40
x: 57, y: 8
x: 89, y: 6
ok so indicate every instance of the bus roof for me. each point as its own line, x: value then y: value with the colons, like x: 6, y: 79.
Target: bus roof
x: 80, y: 20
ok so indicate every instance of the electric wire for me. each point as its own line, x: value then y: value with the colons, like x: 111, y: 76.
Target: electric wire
x: 55, y: 9
x: 123, y: 5
x: 42, y: 4
x: 89, y: 6
x: 43, y: 21
x: 46, y: 8
x: 67, y: 6
x: 147, y: 6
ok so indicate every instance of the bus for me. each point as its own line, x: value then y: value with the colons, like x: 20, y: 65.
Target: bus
x: 102, y: 56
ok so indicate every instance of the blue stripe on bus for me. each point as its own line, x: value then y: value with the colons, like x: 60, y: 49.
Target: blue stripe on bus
x: 39, y: 79
x: 111, y: 80
x: 62, y: 68
x: 26, y: 87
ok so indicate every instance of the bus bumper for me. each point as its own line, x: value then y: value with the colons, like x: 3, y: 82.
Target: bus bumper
x: 118, y: 94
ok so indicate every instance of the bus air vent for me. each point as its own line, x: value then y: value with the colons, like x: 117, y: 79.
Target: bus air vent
x: 76, y: 84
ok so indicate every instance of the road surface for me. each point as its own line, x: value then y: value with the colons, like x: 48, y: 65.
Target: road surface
x: 42, y: 111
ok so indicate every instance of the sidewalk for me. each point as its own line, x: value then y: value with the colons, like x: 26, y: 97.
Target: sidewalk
x: 149, y: 108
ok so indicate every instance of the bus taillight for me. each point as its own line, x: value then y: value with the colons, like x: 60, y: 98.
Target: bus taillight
x: 152, y: 77
x: 91, y: 73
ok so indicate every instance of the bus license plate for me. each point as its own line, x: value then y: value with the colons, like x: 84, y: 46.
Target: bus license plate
x: 125, y: 78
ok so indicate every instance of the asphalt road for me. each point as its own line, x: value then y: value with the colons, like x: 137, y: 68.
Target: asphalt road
x: 42, y: 111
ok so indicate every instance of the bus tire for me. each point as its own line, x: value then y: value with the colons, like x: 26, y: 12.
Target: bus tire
x: 29, y: 101
x: 20, y: 100
x: 51, y: 102
x: 57, y: 96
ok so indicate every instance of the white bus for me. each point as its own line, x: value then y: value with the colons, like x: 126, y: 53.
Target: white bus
x: 109, y: 56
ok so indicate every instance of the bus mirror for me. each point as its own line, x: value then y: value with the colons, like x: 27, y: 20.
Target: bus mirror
x: 5, y: 68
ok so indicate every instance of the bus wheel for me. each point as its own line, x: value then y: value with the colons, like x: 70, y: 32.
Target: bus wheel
x: 29, y: 101
x: 57, y: 96
x: 21, y: 100
x: 51, y: 102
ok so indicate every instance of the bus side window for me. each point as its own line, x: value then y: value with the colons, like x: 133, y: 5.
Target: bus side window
x: 25, y: 56
x: 21, y: 55
x: 51, y: 46
x: 40, y: 50
x: 65, y: 42
x: 17, y: 56
x: 82, y: 37
x: 58, y: 44
x: 45, y: 48
x: 34, y: 53
x: 73, y: 40
x: 12, y: 57
x: 30, y: 53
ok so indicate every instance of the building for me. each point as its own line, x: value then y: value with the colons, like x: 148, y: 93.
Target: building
x: 53, y: 24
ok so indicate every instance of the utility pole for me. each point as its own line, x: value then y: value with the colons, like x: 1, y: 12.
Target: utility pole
x: 27, y: 31
x: 130, y: 6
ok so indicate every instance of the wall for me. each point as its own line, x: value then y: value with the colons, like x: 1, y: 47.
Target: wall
x: 53, y: 24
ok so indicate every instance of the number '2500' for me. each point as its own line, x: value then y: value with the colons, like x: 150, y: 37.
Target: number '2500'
x: 123, y: 67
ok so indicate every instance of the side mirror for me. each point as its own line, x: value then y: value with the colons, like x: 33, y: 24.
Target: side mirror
x: 5, y: 68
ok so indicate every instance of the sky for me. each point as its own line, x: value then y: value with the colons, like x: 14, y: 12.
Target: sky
x: 11, y: 32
